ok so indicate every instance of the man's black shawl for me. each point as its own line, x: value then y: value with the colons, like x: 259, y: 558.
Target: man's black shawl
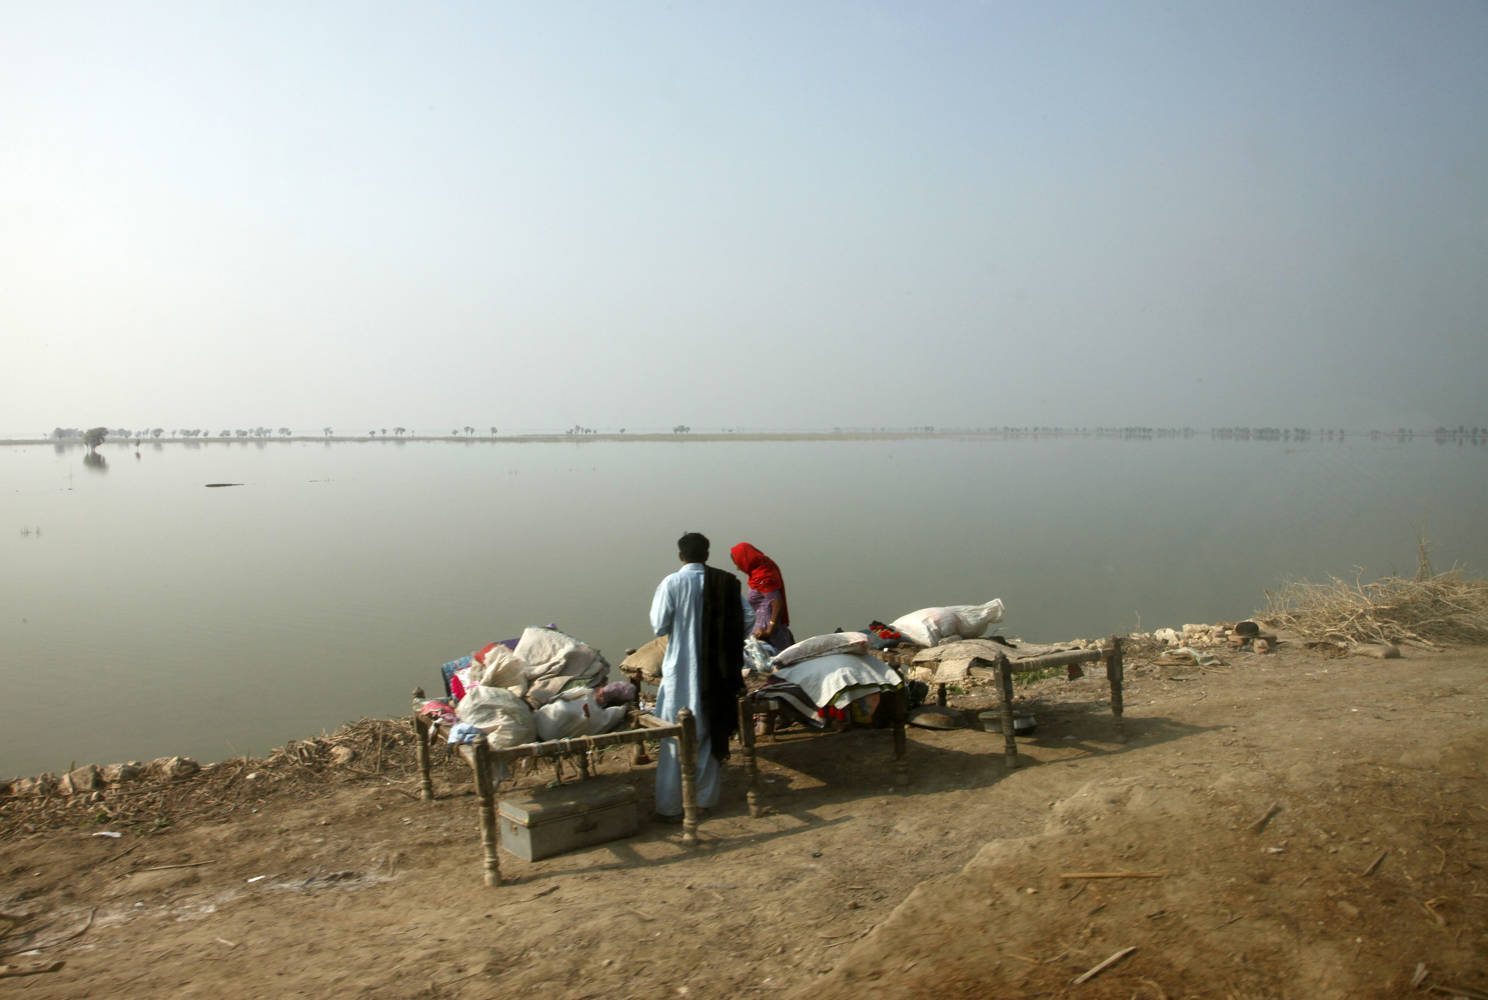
x: 721, y: 657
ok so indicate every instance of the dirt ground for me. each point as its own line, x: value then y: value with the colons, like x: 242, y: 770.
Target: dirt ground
x: 298, y: 877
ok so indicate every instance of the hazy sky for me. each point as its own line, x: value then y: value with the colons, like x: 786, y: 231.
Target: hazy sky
x: 766, y: 215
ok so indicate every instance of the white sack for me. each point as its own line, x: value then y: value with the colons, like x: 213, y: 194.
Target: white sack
x: 576, y: 713
x: 930, y: 626
x: 504, y: 718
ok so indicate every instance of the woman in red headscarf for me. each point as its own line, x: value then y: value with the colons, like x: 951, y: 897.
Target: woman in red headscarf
x: 766, y: 596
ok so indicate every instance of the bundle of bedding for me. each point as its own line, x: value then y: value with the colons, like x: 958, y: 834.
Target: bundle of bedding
x: 829, y: 678
x: 544, y: 685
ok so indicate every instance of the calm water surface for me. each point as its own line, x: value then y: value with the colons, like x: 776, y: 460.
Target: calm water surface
x: 143, y: 615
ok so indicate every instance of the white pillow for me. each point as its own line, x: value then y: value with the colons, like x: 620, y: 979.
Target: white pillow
x: 821, y: 645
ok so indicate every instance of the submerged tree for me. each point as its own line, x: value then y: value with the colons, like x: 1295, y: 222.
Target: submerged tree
x: 94, y: 436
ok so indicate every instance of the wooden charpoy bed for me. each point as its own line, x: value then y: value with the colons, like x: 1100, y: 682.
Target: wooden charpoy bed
x: 484, y: 761
x: 968, y: 657
x: 757, y: 704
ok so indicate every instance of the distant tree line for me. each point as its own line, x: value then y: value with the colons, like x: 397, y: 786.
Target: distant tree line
x: 94, y: 436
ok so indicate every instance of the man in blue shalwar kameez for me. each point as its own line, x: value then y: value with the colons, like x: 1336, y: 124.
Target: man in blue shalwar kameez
x: 701, y: 610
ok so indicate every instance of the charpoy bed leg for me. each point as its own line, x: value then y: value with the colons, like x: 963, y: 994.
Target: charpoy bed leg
x: 688, y: 747
x: 1005, y: 689
x: 638, y: 755
x: 1115, y: 673
x: 901, y: 741
x: 485, y: 790
x: 751, y: 764
x: 421, y: 733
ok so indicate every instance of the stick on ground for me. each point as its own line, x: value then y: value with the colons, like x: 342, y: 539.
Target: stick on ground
x: 1090, y: 974
x: 1374, y: 864
x: 1112, y: 874
x: 1260, y: 824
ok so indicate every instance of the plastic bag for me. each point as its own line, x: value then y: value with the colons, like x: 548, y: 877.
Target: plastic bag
x: 757, y: 657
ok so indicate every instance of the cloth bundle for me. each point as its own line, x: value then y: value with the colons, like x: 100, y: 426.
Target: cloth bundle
x: 828, y: 685
x: 543, y: 685
x: 555, y: 662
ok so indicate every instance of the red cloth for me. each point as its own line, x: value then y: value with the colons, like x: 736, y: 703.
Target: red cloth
x: 764, y: 575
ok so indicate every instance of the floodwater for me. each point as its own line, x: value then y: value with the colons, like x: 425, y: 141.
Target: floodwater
x: 143, y: 614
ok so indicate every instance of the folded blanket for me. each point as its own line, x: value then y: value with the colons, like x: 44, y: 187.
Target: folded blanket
x: 833, y: 680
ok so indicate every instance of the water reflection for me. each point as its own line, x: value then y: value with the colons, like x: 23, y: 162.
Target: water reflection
x: 95, y: 461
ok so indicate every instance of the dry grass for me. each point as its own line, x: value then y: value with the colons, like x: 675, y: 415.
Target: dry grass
x: 1436, y: 609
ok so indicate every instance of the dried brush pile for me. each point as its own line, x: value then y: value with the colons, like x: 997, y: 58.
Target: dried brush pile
x: 1434, y: 609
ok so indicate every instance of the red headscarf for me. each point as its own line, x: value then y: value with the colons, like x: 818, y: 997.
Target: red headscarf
x: 764, y: 575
